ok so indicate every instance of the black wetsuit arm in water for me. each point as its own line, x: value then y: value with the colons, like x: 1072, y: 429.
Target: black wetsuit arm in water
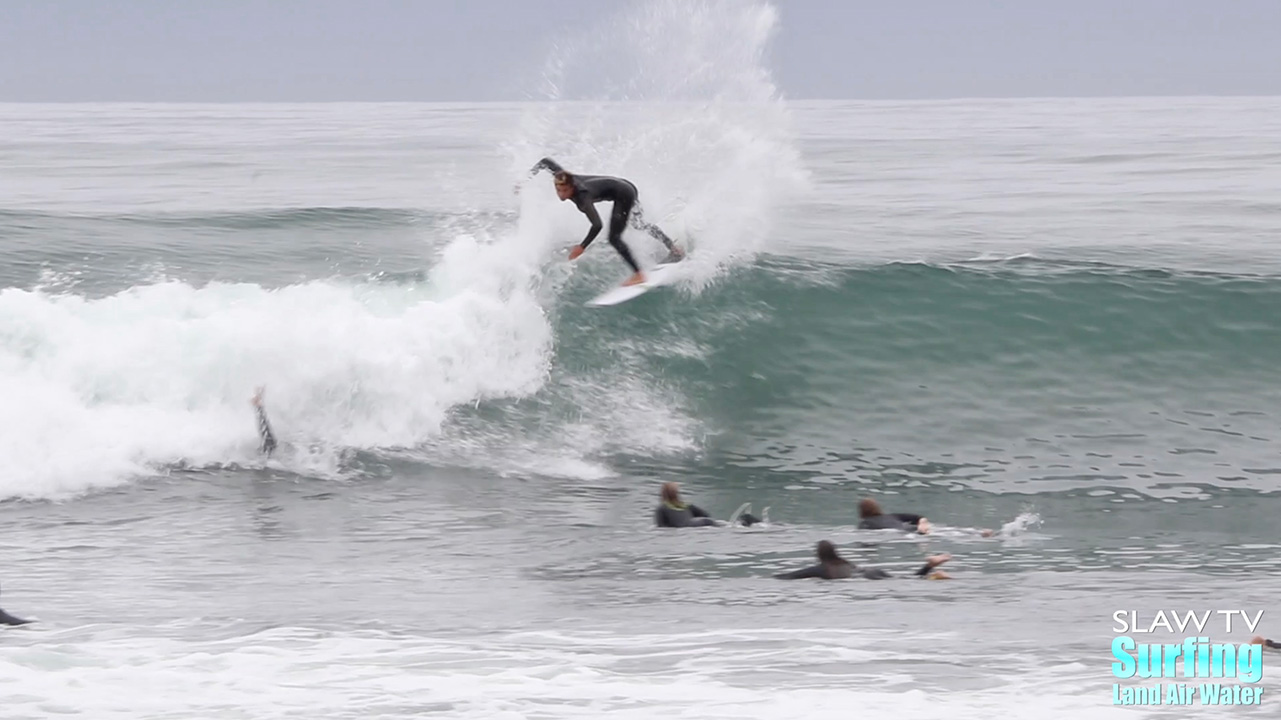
x: 264, y: 431
x: 546, y: 164
x: 908, y: 518
x: 813, y: 571
x: 697, y: 511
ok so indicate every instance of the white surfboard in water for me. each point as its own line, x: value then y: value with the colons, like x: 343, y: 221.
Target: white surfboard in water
x: 656, y: 276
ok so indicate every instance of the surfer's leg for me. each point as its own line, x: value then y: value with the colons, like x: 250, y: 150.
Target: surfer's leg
x: 617, y: 223
x: 1260, y: 640
x: 705, y: 522
x: 929, y: 571
x: 638, y: 221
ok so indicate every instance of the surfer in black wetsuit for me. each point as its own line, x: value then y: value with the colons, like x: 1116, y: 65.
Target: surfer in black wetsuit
x: 587, y: 190
x: 7, y: 619
x: 1260, y: 640
x: 268, y: 445
x: 672, y: 512
x: 872, y: 518
x: 831, y: 566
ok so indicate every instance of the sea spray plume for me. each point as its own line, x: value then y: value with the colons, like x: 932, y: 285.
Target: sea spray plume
x: 677, y: 97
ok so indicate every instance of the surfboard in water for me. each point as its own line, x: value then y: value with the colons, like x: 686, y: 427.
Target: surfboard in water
x: 656, y: 276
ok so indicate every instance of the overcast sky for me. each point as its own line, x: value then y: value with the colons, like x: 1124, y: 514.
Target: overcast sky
x: 451, y: 50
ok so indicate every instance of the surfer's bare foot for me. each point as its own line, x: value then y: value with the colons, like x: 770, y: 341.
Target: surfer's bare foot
x: 636, y: 279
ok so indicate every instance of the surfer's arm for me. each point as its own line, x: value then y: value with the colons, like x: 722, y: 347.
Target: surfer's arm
x: 697, y: 511
x: 908, y: 518
x: 589, y: 209
x: 545, y: 164
x: 264, y: 428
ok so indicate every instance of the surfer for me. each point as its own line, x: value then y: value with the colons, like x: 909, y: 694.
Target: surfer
x: 7, y: 619
x: 587, y: 190
x: 268, y: 445
x: 871, y: 517
x: 831, y: 566
x: 672, y: 512
x: 1260, y: 640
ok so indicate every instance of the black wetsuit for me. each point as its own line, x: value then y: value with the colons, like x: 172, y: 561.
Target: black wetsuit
x: 591, y: 189
x: 844, y: 569
x: 264, y: 431
x: 7, y: 619
x: 686, y: 515
x: 891, y: 521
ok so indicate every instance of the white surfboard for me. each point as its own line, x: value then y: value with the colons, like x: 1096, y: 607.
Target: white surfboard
x: 656, y: 276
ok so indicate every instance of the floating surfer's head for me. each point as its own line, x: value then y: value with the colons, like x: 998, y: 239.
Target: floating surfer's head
x: 564, y: 185
x: 867, y: 507
x: 670, y: 494
x: 826, y: 552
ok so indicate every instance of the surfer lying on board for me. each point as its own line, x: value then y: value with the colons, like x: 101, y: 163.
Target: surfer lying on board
x: 871, y: 517
x: 1260, y: 640
x: 832, y: 566
x: 264, y: 428
x: 672, y: 512
x: 587, y: 190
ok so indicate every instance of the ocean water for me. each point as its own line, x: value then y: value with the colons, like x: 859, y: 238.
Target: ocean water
x: 1054, y: 318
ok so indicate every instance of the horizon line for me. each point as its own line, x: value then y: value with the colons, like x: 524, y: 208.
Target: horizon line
x: 785, y: 99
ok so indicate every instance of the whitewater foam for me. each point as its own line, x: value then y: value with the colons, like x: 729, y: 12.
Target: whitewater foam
x: 766, y: 674
x: 99, y: 390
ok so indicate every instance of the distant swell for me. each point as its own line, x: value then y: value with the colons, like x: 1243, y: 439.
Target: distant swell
x: 264, y: 219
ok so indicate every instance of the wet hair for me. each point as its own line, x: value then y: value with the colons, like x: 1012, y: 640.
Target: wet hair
x: 867, y: 507
x: 670, y: 493
x: 827, y: 552
x: 563, y: 178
